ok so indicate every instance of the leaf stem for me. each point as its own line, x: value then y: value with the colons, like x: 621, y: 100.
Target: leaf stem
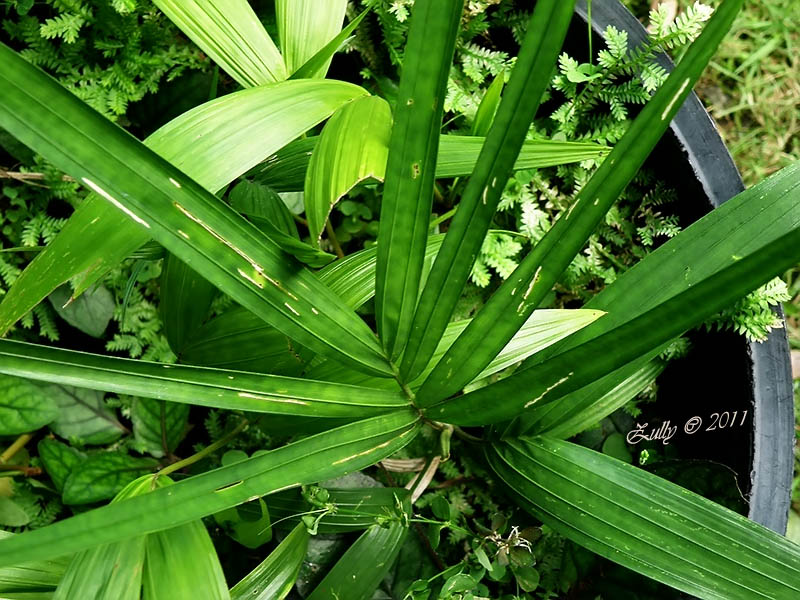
x: 443, y: 218
x: 204, y: 452
x: 15, y: 447
x: 332, y: 239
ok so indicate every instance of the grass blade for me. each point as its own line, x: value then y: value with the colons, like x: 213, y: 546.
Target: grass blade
x: 648, y: 524
x: 352, y: 148
x: 191, y: 223
x: 702, y: 270
x: 305, y: 27
x: 195, y: 385
x: 274, y: 578
x: 319, y: 457
x: 529, y: 80
x: 535, y: 276
x: 246, y: 127
x: 232, y: 35
x: 410, y: 172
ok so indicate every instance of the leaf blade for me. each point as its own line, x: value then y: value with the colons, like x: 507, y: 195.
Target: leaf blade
x: 408, y: 189
x: 231, y: 34
x: 335, y: 452
x: 195, y: 385
x: 305, y: 27
x: 727, y: 260
x: 378, y: 546
x: 536, y: 274
x: 647, y: 523
x: 352, y: 148
x: 190, y: 222
x: 273, y: 578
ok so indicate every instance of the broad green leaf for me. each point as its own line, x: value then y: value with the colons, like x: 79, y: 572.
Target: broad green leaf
x: 184, y: 301
x: 648, y: 524
x: 285, y: 171
x: 239, y: 340
x: 362, y: 568
x: 91, y: 312
x: 717, y: 260
x: 12, y: 514
x: 108, y: 572
x: 175, y: 563
x: 410, y: 171
x: 31, y: 577
x: 101, y: 476
x: 265, y: 209
x: 352, y: 148
x: 180, y: 383
x: 305, y: 27
x: 83, y: 416
x: 191, y: 223
x: 245, y: 127
x: 159, y: 426
x: 274, y: 577
x: 182, y: 563
x: 24, y: 407
x: 529, y: 79
x: 261, y: 202
x: 232, y: 35
x: 488, y: 106
x: 587, y: 406
x: 536, y: 274
x: 356, y: 508
x: 317, y: 65
x: 58, y: 460
x: 330, y: 454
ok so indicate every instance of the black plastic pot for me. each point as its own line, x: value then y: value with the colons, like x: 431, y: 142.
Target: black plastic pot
x: 723, y: 372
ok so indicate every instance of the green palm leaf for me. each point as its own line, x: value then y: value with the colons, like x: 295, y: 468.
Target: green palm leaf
x: 190, y: 222
x: 231, y: 34
x: 323, y: 456
x: 648, y: 524
x: 545, y: 35
x: 232, y: 390
x: 410, y: 171
x: 525, y: 288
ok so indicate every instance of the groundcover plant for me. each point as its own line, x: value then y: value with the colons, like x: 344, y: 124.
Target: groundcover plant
x: 150, y: 541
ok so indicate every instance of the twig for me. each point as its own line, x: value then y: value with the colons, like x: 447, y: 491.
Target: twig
x: 204, y: 452
x: 26, y: 471
x: 332, y: 239
x: 18, y: 445
x: 20, y: 176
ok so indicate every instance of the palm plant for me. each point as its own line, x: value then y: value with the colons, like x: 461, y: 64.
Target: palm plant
x: 365, y: 396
